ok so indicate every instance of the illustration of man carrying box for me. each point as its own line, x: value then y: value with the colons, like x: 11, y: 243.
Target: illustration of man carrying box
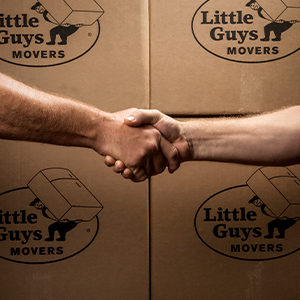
x: 63, y: 198
x: 68, y: 16
x: 281, y: 224
x: 62, y: 227
x: 281, y: 16
x: 277, y: 193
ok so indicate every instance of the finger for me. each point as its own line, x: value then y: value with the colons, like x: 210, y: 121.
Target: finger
x: 127, y: 174
x: 158, y: 164
x: 143, y: 116
x: 139, y: 175
x: 109, y: 161
x: 148, y: 167
x: 119, y: 166
x: 167, y: 126
x: 170, y: 153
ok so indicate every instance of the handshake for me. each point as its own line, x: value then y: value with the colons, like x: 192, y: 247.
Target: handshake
x: 141, y: 143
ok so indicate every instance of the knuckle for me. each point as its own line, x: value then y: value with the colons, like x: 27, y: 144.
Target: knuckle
x: 156, y: 133
x: 152, y: 146
x: 133, y: 165
x: 142, y: 155
x: 174, y: 153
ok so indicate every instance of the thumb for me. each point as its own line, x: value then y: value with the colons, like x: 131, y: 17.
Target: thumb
x: 142, y: 117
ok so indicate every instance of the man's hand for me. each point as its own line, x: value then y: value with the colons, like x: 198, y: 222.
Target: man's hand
x: 171, y: 130
x: 143, y: 151
x: 270, y: 139
x: 32, y: 115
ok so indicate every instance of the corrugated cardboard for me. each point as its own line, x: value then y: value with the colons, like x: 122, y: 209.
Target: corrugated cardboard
x: 71, y: 249
x: 188, y: 262
x: 103, y: 59
x: 115, y: 263
x: 108, y: 63
x: 191, y: 73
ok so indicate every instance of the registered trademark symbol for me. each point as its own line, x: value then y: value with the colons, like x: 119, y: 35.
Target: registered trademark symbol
x: 90, y: 34
x: 88, y: 230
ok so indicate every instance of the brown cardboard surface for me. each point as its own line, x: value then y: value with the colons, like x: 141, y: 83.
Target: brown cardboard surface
x: 187, y: 79
x: 110, y: 71
x: 184, y: 267
x: 105, y: 64
x: 113, y: 266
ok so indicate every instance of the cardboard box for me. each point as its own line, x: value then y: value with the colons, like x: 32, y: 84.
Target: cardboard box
x: 56, y: 240
x: 220, y: 57
x: 105, y: 257
x: 105, y: 61
x: 211, y: 240
x: 55, y: 245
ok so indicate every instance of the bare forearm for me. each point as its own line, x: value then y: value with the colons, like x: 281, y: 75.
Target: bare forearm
x: 268, y: 139
x: 29, y: 114
x: 32, y: 115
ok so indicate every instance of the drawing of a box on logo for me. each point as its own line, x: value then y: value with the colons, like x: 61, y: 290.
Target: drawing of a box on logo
x: 279, y: 189
x: 64, y: 195
x: 73, y: 12
x: 287, y: 10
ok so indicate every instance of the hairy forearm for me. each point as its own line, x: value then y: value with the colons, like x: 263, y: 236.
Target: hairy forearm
x: 268, y: 139
x: 29, y: 114
x: 32, y: 115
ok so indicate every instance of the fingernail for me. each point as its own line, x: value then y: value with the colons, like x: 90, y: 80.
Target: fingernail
x: 131, y: 118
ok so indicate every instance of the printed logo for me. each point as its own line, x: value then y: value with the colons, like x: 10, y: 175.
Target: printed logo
x: 254, y: 31
x: 256, y: 221
x: 48, y: 32
x: 51, y: 219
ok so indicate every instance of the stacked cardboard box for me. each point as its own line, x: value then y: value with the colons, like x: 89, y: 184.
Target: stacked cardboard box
x: 208, y: 240
x: 62, y: 244
x: 220, y: 230
x: 192, y: 71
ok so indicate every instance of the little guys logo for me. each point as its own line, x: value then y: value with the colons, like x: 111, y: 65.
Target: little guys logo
x: 256, y: 221
x: 47, y: 32
x: 53, y: 218
x: 246, y: 31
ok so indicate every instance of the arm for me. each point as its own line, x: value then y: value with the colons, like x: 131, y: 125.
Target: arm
x: 260, y: 13
x: 45, y: 15
x: 267, y: 139
x: 32, y: 115
x: 44, y: 213
x: 29, y: 114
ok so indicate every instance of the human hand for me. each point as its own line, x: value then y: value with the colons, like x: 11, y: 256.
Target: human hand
x: 142, y: 150
x: 171, y: 129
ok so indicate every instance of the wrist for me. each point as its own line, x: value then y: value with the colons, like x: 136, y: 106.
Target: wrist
x: 101, y: 132
x: 197, y: 137
x: 185, y: 142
